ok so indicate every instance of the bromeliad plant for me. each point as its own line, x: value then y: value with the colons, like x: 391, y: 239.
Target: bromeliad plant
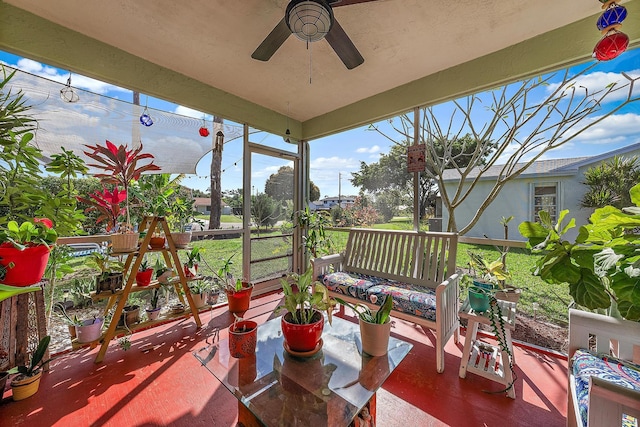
x: 108, y: 204
x: 602, y: 265
x: 307, y: 299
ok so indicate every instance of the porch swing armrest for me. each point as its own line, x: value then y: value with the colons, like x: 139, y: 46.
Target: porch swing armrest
x: 322, y: 265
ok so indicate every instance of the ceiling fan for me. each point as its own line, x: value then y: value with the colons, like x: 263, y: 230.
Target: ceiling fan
x: 310, y: 21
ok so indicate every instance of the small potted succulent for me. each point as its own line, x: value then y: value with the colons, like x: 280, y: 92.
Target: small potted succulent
x: 154, y: 310
x: 182, y: 215
x: 303, y: 323
x: 72, y: 322
x: 144, y: 274
x: 199, y: 290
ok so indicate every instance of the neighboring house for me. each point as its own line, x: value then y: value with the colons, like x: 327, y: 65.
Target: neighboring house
x: 328, y: 202
x: 551, y: 185
x: 203, y: 205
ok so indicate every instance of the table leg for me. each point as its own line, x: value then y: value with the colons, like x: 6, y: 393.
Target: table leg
x: 246, y: 418
x: 472, y: 330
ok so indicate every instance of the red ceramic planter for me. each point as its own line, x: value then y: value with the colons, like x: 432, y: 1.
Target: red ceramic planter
x: 191, y: 272
x: 242, y: 338
x: 239, y: 300
x: 143, y: 278
x: 302, y: 338
x: 28, y: 264
x: 157, y: 242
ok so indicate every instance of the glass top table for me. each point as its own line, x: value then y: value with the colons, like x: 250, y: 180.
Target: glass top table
x: 327, y: 389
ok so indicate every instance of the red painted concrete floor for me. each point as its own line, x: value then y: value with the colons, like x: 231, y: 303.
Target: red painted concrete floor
x: 158, y: 382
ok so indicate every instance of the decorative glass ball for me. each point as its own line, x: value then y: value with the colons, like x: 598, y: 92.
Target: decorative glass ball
x: 204, y: 132
x: 145, y: 120
x: 611, y: 45
x: 614, y: 14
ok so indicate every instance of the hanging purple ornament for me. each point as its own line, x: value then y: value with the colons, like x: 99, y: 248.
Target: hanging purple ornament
x: 614, y: 15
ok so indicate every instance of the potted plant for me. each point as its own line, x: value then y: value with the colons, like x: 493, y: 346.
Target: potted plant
x: 27, y: 382
x: 303, y: 323
x: 375, y: 326
x: 154, y: 311
x: 24, y: 251
x: 600, y: 265
x: 487, y: 279
x: 121, y: 168
x: 199, y: 289
x: 144, y: 273
x: 89, y: 330
x: 194, y: 257
x: 214, y: 292
x: 182, y: 215
x: 238, y: 292
x: 130, y: 315
x: 243, y: 336
x: 72, y: 322
x: 162, y: 272
x: 110, y: 278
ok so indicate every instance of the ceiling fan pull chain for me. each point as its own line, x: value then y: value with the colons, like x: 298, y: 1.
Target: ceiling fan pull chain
x: 310, y: 67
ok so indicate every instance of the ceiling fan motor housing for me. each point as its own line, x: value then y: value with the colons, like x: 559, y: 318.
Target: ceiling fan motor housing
x: 309, y: 20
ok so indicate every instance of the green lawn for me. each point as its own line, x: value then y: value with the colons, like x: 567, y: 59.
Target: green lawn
x: 223, y: 218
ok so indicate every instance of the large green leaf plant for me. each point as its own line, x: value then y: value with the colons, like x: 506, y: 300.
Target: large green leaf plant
x: 602, y: 265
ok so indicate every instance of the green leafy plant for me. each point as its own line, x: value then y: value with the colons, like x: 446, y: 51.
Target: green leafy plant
x: 105, y: 263
x: 200, y: 286
x: 226, y: 277
x: 155, y: 298
x: 37, y: 361
x: 309, y: 297
x: 380, y: 316
x: 61, y: 311
x: 30, y: 233
x: 194, y: 256
x: 491, y: 272
x: 602, y: 265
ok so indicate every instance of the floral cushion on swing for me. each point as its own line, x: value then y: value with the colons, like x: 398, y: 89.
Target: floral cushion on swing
x: 586, y: 364
x: 407, y: 298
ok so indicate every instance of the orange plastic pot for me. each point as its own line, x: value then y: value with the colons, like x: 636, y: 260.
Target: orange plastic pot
x: 26, y: 267
x: 157, y: 242
x: 239, y: 300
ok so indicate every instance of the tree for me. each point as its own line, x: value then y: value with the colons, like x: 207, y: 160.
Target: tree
x: 216, y: 178
x: 264, y: 210
x: 610, y: 183
x: 390, y: 182
x: 280, y: 185
x: 234, y: 199
x: 510, y: 131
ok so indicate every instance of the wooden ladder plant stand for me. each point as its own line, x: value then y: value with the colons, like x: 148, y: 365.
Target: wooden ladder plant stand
x: 131, y: 266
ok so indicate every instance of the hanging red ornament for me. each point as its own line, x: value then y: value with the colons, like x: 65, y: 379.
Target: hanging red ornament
x: 611, y: 45
x: 204, y: 131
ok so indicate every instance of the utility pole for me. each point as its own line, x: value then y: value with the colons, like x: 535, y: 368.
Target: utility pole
x: 339, y: 188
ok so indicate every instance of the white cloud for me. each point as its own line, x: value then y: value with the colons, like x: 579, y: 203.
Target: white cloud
x: 614, y: 128
x: 189, y: 112
x: 598, y: 81
x: 373, y: 149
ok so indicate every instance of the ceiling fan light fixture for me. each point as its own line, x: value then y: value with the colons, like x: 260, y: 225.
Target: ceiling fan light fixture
x: 309, y: 20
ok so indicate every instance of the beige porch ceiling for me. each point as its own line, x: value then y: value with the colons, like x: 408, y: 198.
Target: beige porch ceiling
x: 198, y: 53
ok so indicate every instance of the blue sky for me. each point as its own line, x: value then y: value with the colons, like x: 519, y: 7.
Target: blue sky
x: 341, y: 154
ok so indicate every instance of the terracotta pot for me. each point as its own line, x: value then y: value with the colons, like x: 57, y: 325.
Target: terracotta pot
x: 302, y: 338
x: 157, y: 242
x: 153, y: 314
x: 125, y: 242
x: 243, y: 336
x: 239, y: 300
x: 190, y: 271
x: 375, y: 337
x: 24, y: 387
x: 181, y: 240
x: 90, y: 331
x: 28, y: 265
x: 143, y: 278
